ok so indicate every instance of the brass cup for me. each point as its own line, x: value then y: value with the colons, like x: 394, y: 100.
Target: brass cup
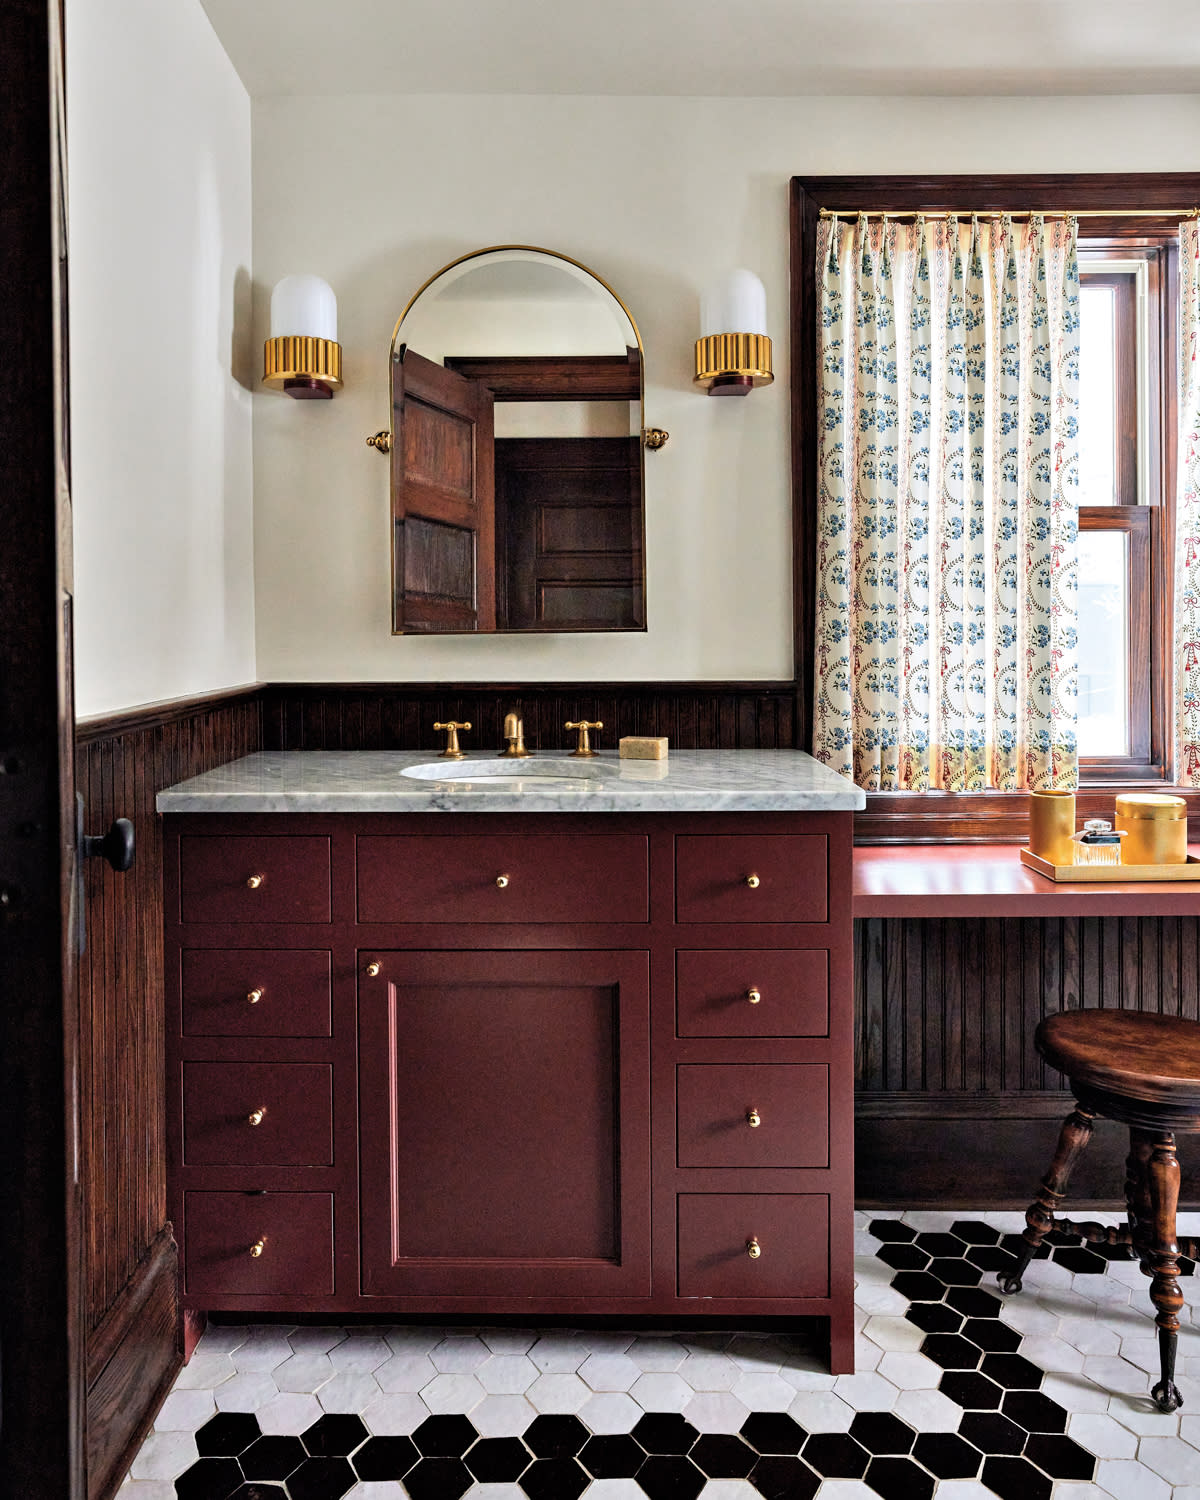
x: 1051, y: 826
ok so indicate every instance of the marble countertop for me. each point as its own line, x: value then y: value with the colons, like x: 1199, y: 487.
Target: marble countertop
x: 365, y: 781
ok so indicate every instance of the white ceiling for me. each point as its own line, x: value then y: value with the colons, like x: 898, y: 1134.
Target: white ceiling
x: 735, y: 48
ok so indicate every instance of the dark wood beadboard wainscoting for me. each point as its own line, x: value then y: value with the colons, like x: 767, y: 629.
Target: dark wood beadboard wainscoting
x: 130, y: 1274
x: 953, y: 1105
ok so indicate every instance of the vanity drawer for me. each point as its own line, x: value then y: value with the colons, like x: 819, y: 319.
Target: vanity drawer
x: 716, y: 1229
x: 752, y: 1115
x: 714, y: 992
x: 503, y: 878
x: 751, y: 878
x: 246, y: 879
x: 257, y: 1114
x: 292, y: 1231
x: 255, y: 992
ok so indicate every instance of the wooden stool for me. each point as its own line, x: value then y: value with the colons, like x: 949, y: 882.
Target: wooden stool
x: 1143, y: 1070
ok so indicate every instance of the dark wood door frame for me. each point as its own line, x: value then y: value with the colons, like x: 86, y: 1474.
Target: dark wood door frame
x: 41, y: 1450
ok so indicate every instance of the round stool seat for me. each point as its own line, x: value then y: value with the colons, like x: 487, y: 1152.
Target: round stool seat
x: 1140, y: 1056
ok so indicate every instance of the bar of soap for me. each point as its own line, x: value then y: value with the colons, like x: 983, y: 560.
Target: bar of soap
x: 642, y: 747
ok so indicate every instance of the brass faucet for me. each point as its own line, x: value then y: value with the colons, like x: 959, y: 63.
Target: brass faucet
x: 451, y: 728
x: 514, y: 737
x: 584, y: 745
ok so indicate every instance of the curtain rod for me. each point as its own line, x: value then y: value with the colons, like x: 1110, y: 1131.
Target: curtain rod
x: 1001, y: 213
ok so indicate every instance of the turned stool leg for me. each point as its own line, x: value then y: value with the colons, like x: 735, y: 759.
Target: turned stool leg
x: 1039, y: 1217
x: 1139, y: 1211
x: 1163, y: 1255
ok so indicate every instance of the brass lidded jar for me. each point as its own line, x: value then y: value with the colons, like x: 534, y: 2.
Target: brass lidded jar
x: 1156, y: 828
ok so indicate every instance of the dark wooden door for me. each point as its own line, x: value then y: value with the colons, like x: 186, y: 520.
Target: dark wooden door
x: 569, y: 529
x: 443, y: 499
x: 505, y: 1124
x: 41, y: 1423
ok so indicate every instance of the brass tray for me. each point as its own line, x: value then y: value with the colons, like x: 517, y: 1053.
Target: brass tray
x: 1190, y: 871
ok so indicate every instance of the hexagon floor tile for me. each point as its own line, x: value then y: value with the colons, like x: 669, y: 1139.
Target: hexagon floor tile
x: 961, y: 1394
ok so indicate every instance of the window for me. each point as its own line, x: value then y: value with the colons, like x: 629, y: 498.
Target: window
x: 1129, y: 259
x: 1127, y: 377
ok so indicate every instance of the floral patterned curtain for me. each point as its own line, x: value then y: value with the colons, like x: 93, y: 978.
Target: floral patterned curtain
x: 1187, y: 515
x: 948, y: 466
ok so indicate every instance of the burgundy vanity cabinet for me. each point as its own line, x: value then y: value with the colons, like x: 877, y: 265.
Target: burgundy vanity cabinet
x: 494, y: 1064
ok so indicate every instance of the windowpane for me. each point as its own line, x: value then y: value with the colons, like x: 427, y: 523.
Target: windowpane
x: 1098, y: 395
x: 1103, y: 643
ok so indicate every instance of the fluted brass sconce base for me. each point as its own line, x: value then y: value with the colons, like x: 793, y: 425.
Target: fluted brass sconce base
x: 309, y: 369
x: 733, y: 364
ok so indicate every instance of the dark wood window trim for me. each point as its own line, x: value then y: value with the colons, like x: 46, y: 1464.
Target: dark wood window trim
x: 987, y: 817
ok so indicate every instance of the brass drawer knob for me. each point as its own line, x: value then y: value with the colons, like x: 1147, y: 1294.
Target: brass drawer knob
x: 373, y: 970
x: 255, y: 1117
x: 501, y: 881
x: 754, y: 995
x: 753, y: 1119
x: 753, y: 882
x: 258, y: 1247
x: 254, y: 996
x: 753, y: 1248
x: 254, y: 881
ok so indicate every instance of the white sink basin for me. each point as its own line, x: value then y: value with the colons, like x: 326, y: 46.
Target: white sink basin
x: 561, y: 773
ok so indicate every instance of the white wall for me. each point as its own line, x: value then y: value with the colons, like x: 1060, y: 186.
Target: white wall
x: 655, y: 195
x: 162, y: 363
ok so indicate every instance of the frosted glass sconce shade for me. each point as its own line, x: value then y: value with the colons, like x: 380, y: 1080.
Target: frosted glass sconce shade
x: 733, y: 352
x: 302, y: 357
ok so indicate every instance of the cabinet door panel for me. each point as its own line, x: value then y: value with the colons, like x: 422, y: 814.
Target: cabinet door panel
x: 752, y: 992
x: 753, y: 1115
x: 751, y: 878
x: 547, y: 878
x: 505, y: 1123
x: 792, y: 1234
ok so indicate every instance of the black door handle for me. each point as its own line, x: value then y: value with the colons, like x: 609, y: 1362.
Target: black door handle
x: 116, y: 845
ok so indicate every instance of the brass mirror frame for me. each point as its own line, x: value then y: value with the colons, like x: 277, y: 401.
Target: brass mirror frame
x: 652, y: 437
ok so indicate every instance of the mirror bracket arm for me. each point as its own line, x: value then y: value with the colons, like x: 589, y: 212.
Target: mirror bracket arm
x: 381, y: 441
x: 653, y: 437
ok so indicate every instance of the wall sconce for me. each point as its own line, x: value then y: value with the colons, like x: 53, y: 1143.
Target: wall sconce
x: 303, y: 358
x: 732, y: 364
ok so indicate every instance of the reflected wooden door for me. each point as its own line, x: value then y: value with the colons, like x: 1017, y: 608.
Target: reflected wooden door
x: 443, y: 504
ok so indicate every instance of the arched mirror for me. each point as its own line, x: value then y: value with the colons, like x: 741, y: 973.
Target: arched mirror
x: 516, y: 451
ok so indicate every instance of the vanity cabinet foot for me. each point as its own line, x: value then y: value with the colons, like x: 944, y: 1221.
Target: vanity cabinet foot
x: 571, y: 1064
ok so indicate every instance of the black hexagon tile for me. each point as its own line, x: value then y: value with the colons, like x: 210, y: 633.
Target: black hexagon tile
x: 902, y: 1257
x: 882, y: 1432
x: 890, y: 1231
x: 947, y: 1455
x: 256, y: 1490
x: 438, y: 1479
x: 934, y: 1317
x: 554, y: 1479
x: 614, y: 1456
x: 1060, y: 1457
x: 718, y: 1455
x: 971, y: 1389
x: 941, y: 1244
x: 1015, y: 1479
x: 227, y: 1434
x: 209, y: 1479
x: 334, y: 1435
x: 899, y: 1479
x: 1081, y: 1261
x: 957, y: 1272
x: 973, y: 1302
x: 272, y: 1457
x: 1034, y: 1411
x: 556, y: 1437
x: 665, y: 1432
x: 497, y: 1460
x: 992, y: 1335
x: 836, y: 1455
x: 1012, y: 1371
x: 919, y: 1286
x: 774, y: 1432
x: 993, y: 1432
x: 952, y: 1351
x: 972, y: 1232
x: 670, y: 1476
x: 777, y: 1477
x: 444, y: 1436
x: 382, y: 1458
x: 321, y: 1479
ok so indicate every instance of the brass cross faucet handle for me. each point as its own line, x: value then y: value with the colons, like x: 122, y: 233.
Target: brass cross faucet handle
x: 584, y: 747
x: 451, y: 728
